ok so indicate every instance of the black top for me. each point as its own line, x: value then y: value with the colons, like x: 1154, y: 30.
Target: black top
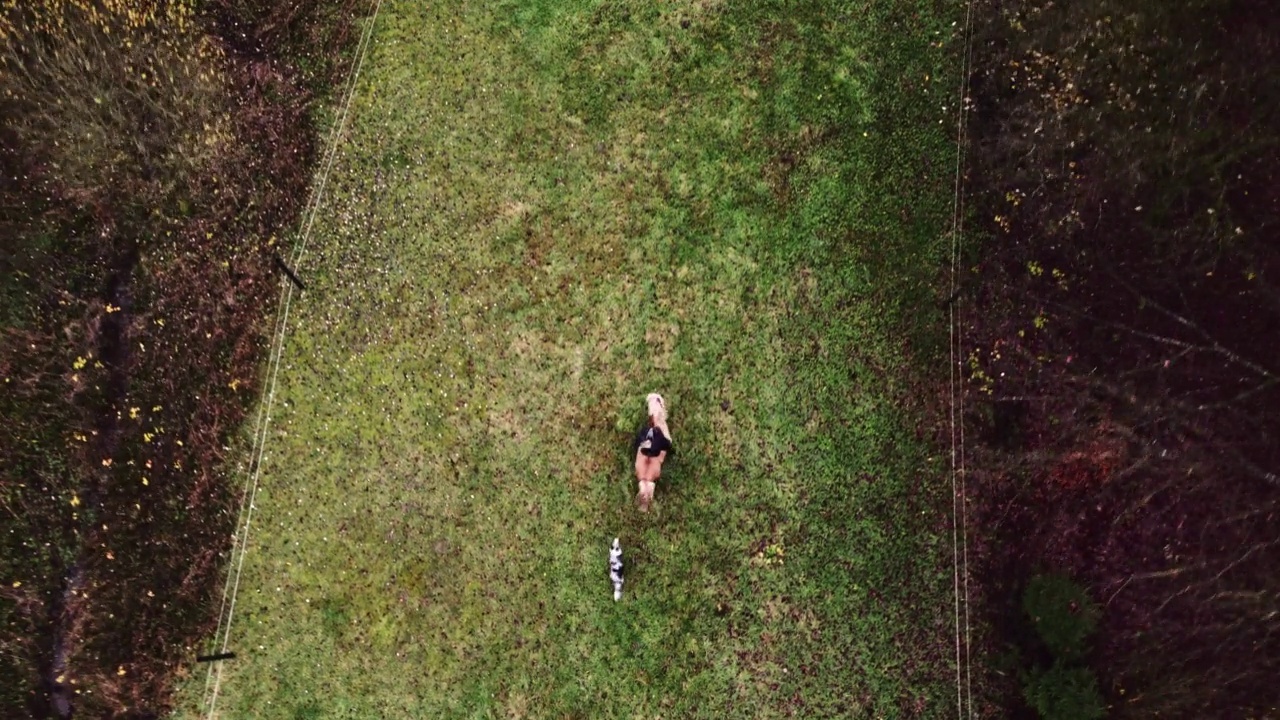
x: 651, y: 442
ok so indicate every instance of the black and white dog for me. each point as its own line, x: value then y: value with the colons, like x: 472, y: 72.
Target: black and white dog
x: 615, y: 569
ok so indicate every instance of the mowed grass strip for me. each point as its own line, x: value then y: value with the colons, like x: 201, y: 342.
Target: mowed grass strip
x: 542, y: 211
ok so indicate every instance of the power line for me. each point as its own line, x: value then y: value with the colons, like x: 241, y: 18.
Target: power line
x: 959, y: 519
x: 245, y: 515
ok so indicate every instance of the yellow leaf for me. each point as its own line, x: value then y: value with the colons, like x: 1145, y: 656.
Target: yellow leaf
x: 120, y: 671
x: 133, y: 413
x: 17, y: 583
x: 75, y: 501
x: 145, y: 481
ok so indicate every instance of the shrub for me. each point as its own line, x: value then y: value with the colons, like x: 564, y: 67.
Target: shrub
x: 1065, y: 693
x: 1063, y: 614
x: 1122, y: 170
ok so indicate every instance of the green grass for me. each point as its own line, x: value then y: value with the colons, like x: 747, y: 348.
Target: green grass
x: 542, y: 211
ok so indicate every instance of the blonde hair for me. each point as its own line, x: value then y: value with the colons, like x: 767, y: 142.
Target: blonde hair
x: 658, y: 413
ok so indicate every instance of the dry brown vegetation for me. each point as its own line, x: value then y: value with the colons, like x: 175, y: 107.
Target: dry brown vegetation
x: 1122, y: 323
x: 151, y: 155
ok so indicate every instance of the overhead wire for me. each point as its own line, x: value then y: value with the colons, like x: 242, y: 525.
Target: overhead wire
x: 254, y: 472
x: 959, y: 485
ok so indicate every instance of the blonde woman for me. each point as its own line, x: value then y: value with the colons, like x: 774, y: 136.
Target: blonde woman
x: 651, y: 447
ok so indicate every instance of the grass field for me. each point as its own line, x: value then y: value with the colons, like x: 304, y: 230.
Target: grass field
x: 543, y: 210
